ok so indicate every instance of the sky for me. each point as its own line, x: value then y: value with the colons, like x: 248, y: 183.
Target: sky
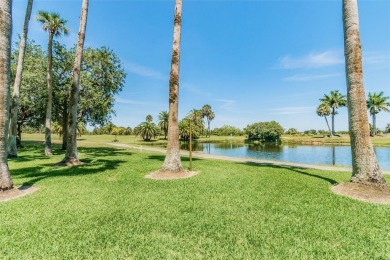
x: 252, y: 61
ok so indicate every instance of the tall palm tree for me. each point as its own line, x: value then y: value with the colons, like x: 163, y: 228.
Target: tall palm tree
x: 5, y: 61
x: 172, y: 160
x: 208, y: 113
x: 71, y: 156
x: 56, y: 26
x: 18, y: 80
x: 324, y: 110
x: 334, y: 100
x: 365, y: 168
x: 163, y: 118
x: 377, y: 102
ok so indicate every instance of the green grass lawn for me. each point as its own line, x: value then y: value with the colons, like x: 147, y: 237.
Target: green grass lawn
x: 106, y: 209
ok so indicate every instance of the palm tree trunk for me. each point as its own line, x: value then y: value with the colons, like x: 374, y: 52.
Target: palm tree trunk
x: 208, y: 127
x: 365, y: 168
x: 327, y: 123
x: 333, y: 131
x: 5, y: 61
x: 64, y: 124
x: 18, y: 80
x: 48, y: 150
x: 71, y: 156
x: 172, y: 160
x: 374, y: 124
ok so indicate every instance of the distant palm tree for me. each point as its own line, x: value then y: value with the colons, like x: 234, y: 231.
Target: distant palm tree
x: 56, y: 26
x: 172, y: 162
x: 208, y: 113
x: 324, y: 110
x: 163, y: 119
x: 149, y: 118
x: 334, y: 101
x: 365, y: 167
x: 17, y: 82
x: 148, y: 130
x: 377, y: 102
x: 5, y: 62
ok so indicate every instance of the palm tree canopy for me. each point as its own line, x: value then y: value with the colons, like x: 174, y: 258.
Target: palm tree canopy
x: 376, y: 102
x: 52, y: 22
x: 324, y: 110
x: 335, y: 99
x: 163, y: 118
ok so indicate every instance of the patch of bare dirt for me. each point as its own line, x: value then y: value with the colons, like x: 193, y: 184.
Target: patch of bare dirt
x: 16, y: 193
x: 166, y: 175
x: 363, y: 192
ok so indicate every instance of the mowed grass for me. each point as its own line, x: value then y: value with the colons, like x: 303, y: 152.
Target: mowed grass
x: 106, y: 209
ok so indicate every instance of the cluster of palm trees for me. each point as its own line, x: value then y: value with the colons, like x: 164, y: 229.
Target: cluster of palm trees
x: 365, y: 166
x: 376, y: 103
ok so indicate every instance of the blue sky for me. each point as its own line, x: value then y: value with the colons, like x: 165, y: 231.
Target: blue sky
x: 252, y: 61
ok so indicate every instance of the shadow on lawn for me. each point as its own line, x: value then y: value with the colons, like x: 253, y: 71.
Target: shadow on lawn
x: 94, y: 159
x: 161, y: 158
x: 291, y: 168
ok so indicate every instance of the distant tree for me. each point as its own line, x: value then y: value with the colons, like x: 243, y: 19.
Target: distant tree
x: 377, y: 102
x: 325, y: 110
x: 17, y: 82
x: 265, y: 131
x: 128, y: 131
x: 227, y: 130
x: 148, y: 130
x: 163, y: 119
x: 149, y: 118
x: 387, y: 128
x: 55, y: 25
x: 365, y: 167
x: 334, y: 101
x: 310, y: 132
x: 6, y: 182
x: 208, y: 113
x: 292, y: 131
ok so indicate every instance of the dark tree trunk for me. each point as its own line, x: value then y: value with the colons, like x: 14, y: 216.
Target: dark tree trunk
x: 64, y: 124
x: 19, y: 139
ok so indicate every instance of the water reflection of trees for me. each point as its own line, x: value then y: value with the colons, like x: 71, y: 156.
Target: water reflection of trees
x: 265, y: 147
x: 195, y: 146
x: 226, y: 146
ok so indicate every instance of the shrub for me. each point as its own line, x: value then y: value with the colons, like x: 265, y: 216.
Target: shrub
x: 264, y: 131
x: 292, y: 131
x: 310, y: 132
x: 227, y: 130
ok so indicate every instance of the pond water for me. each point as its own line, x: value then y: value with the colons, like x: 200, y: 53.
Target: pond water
x: 310, y: 154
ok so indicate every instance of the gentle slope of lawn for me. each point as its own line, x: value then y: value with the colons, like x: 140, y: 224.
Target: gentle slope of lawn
x: 106, y: 209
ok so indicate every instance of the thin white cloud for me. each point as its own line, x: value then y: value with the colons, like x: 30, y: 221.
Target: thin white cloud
x: 130, y: 102
x: 306, y: 77
x: 227, y: 104
x: 143, y: 71
x: 312, y: 60
x: 291, y: 110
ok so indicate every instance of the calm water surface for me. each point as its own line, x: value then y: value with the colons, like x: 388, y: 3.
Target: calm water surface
x: 310, y: 154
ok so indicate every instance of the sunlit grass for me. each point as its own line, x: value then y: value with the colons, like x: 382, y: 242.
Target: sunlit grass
x: 106, y: 209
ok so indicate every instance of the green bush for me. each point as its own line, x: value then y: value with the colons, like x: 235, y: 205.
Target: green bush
x: 227, y: 130
x: 264, y: 131
x: 292, y: 131
x: 310, y: 132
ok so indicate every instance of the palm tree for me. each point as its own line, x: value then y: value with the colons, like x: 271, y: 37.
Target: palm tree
x: 56, y: 26
x: 18, y: 80
x: 365, y: 168
x: 172, y: 160
x: 334, y: 100
x: 148, y: 130
x: 377, y: 102
x: 5, y: 61
x: 149, y: 118
x: 71, y: 156
x: 324, y: 110
x: 209, y: 115
x: 163, y: 118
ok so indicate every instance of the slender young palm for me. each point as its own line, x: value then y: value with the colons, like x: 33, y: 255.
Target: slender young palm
x: 208, y: 113
x: 365, y: 168
x: 172, y: 160
x: 163, y: 118
x: 324, y: 110
x: 377, y: 102
x: 18, y: 80
x: 5, y: 61
x: 71, y: 156
x: 334, y: 100
x: 56, y: 26
x: 210, y: 118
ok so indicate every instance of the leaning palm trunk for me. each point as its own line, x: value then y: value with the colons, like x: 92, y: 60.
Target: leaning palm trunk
x: 333, y: 131
x: 5, y: 60
x: 172, y: 159
x: 373, y: 124
x: 18, y: 79
x: 71, y: 156
x: 327, y: 123
x: 48, y: 150
x: 365, y: 168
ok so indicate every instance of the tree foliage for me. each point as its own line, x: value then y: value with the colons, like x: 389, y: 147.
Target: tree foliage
x: 264, y: 131
x: 227, y: 130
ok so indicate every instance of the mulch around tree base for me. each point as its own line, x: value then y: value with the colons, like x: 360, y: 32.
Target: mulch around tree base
x: 163, y: 175
x: 364, y: 193
x: 16, y: 192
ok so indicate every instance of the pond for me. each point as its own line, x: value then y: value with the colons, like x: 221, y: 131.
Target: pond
x: 310, y: 154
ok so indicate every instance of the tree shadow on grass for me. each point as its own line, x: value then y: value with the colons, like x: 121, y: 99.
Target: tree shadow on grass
x: 290, y: 168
